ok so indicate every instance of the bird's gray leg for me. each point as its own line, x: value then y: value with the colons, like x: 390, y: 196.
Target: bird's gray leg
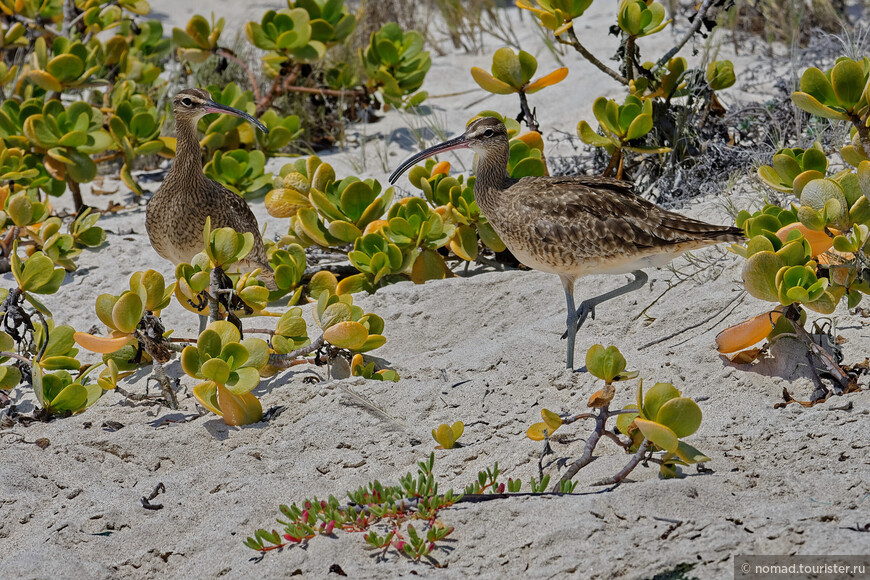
x: 203, y: 322
x: 587, y: 307
x: 568, y: 285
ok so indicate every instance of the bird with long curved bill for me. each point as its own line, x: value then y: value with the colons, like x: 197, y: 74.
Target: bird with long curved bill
x: 573, y: 226
x: 176, y: 214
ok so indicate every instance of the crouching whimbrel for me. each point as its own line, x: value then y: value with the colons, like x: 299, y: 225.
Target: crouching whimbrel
x: 574, y: 226
x: 175, y: 216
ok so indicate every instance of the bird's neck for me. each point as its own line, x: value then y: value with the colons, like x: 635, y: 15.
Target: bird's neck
x: 491, y: 178
x: 188, y: 155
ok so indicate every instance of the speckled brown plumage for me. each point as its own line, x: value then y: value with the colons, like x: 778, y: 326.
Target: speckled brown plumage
x: 574, y: 226
x: 176, y: 214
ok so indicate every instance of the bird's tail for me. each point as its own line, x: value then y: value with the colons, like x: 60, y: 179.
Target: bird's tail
x: 726, y: 234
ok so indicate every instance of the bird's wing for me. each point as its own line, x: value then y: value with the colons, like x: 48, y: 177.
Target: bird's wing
x: 605, y: 214
x: 237, y: 215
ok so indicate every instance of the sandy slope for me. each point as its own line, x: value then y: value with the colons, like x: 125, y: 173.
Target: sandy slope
x: 483, y: 349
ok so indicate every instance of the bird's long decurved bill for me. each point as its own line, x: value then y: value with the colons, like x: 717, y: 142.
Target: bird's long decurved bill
x: 212, y: 107
x: 456, y: 143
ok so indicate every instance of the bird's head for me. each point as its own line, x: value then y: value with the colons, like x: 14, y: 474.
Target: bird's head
x: 191, y: 104
x: 483, y: 135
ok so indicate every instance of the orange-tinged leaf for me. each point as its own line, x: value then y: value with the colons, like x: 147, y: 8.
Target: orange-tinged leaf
x: 375, y: 227
x: 819, y: 242
x: 554, y: 77
x: 239, y: 409
x: 746, y: 333
x: 602, y: 397
x: 206, y: 394
x: 103, y: 344
x: 348, y: 334
x: 533, y: 140
x: 429, y: 265
x: 441, y: 167
x: 745, y: 357
x: 490, y: 83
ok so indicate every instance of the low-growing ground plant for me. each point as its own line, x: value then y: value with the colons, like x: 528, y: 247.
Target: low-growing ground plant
x: 653, y: 427
x: 811, y: 255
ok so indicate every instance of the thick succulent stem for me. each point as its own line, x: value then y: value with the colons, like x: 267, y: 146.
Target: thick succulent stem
x: 528, y: 114
x: 213, y: 290
x: 863, y: 132
x: 615, y: 162
x: 575, y: 43
x: 165, y: 385
x: 591, y: 442
x: 280, y: 85
x: 283, y: 361
x: 841, y: 379
x: 77, y: 194
x: 629, y: 467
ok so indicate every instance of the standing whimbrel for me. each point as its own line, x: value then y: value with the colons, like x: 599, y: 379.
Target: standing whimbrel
x: 574, y: 226
x: 175, y: 216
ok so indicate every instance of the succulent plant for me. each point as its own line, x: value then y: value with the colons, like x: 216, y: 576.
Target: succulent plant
x: 225, y: 246
x: 664, y: 417
x: 137, y: 51
x: 70, y: 136
x: 378, y: 260
x: 419, y: 231
x: 347, y: 326
x: 85, y: 231
x: 557, y: 15
x: 135, y: 128
x: 289, y: 265
x: 620, y: 124
x: 69, y: 64
x: 291, y: 332
x: 59, y: 246
x: 720, y: 74
x: 667, y: 83
x: 58, y: 393
x: 447, y: 435
x: 282, y: 132
x: 99, y: 15
x: 324, y: 211
x: 793, y: 168
x: 199, y: 39
x: 290, y: 193
x: 546, y: 428
x: 457, y: 198
x: 240, y: 171
x: 229, y: 368
x: 639, y: 18
x: 512, y: 73
x: 396, y: 65
x: 359, y: 368
x: 838, y: 93
x: 60, y: 351
x: 122, y: 314
x: 36, y: 275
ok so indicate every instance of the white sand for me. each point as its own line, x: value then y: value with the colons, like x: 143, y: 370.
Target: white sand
x: 783, y: 481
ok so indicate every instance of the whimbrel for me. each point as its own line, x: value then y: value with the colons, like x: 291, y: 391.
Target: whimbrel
x: 574, y: 226
x: 176, y: 214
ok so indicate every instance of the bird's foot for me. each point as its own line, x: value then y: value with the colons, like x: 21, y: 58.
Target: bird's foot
x: 587, y: 308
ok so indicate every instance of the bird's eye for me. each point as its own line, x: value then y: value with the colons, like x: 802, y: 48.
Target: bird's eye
x: 488, y: 133
x: 186, y: 102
